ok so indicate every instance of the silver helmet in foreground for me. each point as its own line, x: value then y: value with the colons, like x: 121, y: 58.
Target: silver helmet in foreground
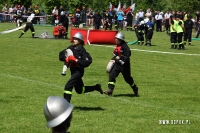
x: 56, y: 110
x: 120, y: 36
x: 79, y: 36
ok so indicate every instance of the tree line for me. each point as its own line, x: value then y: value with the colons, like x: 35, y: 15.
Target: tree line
x: 70, y: 5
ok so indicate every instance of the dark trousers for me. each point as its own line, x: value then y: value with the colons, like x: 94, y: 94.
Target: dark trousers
x: 158, y: 25
x: 76, y: 82
x: 167, y: 25
x: 148, y: 36
x: 197, y: 35
x: 97, y: 26
x: 188, y: 35
x: 180, y: 37
x: 173, y: 37
x: 29, y: 26
x: 117, y: 69
x: 129, y: 24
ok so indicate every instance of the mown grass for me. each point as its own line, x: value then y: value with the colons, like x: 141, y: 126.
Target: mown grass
x: 168, y: 85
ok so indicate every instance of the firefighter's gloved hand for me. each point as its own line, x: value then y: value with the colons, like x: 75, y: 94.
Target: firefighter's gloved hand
x: 67, y: 60
x: 72, y: 58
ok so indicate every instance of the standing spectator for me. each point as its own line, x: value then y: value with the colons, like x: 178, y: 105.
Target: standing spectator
x: 188, y: 25
x: 197, y: 19
x: 154, y: 19
x: 89, y: 15
x: 5, y: 12
x: 58, y: 114
x: 122, y: 65
x: 115, y: 20
x: 110, y: 18
x: 149, y: 14
x: 54, y: 12
x: 19, y: 16
x: 198, y: 29
x: 97, y: 20
x: 107, y: 24
x: 159, y: 19
x: 64, y: 20
x: 181, y: 15
x: 120, y: 17
x: 30, y: 11
x: 136, y: 18
x: 83, y: 16
x: 11, y: 12
x: 60, y: 10
x: 77, y: 17
x: 167, y: 17
x: 141, y: 15
x: 129, y: 20
x: 15, y: 13
x: 77, y: 63
x: 36, y: 11
x: 23, y: 9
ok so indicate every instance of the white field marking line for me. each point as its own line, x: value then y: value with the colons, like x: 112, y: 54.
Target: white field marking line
x: 161, y: 52
x: 119, y: 99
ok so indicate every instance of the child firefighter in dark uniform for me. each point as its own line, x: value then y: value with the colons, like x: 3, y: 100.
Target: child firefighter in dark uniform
x: 121, y: 58
x: 29, y: 25
x: 77, y: 63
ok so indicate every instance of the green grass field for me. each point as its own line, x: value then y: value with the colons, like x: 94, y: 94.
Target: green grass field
x: 168, y: 81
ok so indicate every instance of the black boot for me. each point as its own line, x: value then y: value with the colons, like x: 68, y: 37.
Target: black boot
x: 135, y: 90
x: 21, y: 35
x: 175, y: 47
x: 172, y: 46
x: 68, y: 97
x: 182, y: 47
x: 98, y: 88
x: 33, y: 35
x: 108, y: 92
x: 179, y: 46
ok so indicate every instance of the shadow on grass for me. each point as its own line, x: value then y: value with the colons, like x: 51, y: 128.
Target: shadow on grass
x: 88, y: 108
x: 124, y: 95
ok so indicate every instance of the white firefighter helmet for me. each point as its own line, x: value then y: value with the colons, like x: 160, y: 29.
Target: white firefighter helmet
x: 56, y: 110
x: 110, y: 66
x: 142, y: 22
x: 79, y: 36
x: 120, y: 36
x: 146, y: 20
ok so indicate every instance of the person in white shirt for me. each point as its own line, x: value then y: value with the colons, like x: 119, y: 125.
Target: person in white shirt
x: 149, y: 14
x: 141, y: 15
x: 167, y: 17
x: 136, y: 17
x: 159, y: 19
x: 5, y: 11
x: 54, y: 12
x: 11, y: 12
